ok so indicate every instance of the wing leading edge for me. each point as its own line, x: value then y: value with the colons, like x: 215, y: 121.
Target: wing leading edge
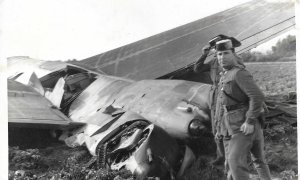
x: 253, y: 23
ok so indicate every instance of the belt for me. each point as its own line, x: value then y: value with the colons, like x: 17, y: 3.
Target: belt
x: 235, y: 106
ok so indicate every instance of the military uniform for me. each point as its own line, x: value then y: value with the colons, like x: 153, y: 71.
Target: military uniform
x: 214, y: 70
x: 240, y: 100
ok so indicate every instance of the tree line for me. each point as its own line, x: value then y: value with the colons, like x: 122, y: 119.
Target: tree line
x: 283, y: 50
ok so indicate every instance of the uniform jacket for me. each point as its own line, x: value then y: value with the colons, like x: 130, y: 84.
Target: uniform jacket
x: 213, y: 68
x: 214, y: 71
x: 239, y: 84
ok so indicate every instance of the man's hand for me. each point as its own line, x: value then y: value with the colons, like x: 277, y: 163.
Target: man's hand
x: 247, y: 128
x: 205, y: 49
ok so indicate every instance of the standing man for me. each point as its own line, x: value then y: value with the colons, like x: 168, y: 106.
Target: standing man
x: 240, y: 103
x: 214, y: 69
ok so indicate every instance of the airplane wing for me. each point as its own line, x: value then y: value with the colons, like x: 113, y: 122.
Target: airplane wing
x: 252, y: 23
x: 28, y: 108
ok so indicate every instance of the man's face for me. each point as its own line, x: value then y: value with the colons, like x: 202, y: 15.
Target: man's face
x: 226, y: 58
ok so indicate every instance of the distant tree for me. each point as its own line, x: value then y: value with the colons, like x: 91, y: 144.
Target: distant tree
x: 248, y: 56
x: 283, y: 48
x: 71, y: 60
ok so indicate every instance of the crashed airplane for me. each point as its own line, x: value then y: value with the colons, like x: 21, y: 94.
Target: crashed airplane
x: 123, y: 118
x: 124, y: 122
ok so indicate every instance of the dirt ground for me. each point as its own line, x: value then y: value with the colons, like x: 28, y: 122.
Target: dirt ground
x: 61, y: 162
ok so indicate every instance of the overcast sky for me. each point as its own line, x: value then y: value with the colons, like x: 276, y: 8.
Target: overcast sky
x: 67, y: 29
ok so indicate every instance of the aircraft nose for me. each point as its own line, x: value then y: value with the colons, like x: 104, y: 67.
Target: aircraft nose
x: 196, y: 127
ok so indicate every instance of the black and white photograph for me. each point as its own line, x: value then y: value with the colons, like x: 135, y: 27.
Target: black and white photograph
x: 148, y: 90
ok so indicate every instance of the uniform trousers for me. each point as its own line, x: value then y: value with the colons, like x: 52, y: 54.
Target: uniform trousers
x: 236, y: 150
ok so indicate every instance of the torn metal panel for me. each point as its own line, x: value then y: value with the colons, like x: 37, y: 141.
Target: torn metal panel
x: 137, y: 146
x: 159, y: 100
x: 98, y: 134
x: 289, y: 111
x: 36, y: 84
x: 100, y: 94
x: 162, y: 102
x: 56, y: 95
x: 160, y: 160
x: 281, y: 113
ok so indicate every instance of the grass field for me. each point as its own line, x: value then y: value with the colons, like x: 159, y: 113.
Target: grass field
x: 277, y: 78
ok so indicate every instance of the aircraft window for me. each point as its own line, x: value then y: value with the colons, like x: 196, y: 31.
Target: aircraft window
x: 78, y: 81
x: 74, y: 85
x: 51, y: 79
